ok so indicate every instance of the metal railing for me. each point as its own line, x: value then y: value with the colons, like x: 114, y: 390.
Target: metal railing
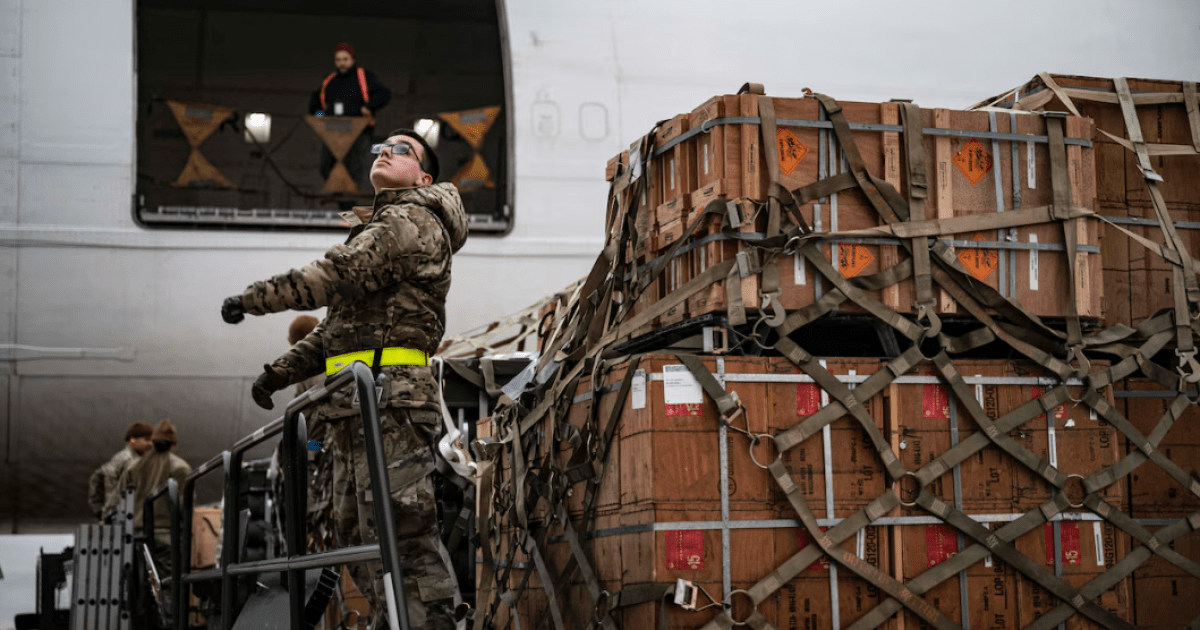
x: 295, y: 500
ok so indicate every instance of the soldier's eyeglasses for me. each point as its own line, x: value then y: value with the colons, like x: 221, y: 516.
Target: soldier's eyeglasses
x: 399, y: 148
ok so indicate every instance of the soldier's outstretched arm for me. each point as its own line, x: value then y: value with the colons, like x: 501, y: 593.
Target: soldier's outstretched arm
x: 393, y: 247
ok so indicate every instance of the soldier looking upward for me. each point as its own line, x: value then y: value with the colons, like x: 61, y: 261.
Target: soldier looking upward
x: 385, y: 288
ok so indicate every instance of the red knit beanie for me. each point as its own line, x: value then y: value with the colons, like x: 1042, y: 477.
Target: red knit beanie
x: 346, y: 47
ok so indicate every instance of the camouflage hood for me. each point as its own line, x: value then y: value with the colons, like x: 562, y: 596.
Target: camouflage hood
x: 442, y: 199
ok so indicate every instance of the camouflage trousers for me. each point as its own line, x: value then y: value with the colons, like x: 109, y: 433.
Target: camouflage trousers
x: 429, y: 583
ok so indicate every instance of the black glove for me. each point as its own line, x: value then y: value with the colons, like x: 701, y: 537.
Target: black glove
x: 232, y: 310
x: 270, y: 381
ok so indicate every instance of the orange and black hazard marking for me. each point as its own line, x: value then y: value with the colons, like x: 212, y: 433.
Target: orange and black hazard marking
x: 791, y: 150
x: 979, y: 262
x: 853, y: 259
x: 973, y: 160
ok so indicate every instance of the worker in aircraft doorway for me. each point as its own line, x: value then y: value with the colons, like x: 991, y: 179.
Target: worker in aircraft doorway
x: 351, y: 90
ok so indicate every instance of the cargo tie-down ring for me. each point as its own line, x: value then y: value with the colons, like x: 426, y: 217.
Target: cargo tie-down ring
x: 754, y: 440
x: 729, y: 604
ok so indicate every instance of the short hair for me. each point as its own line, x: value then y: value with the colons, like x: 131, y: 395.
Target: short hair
x: 429, y: 160
x: 138, y: 430
x: 300, y: 328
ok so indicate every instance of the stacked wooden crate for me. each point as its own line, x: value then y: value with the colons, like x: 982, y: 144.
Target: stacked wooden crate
x: 988, y: 490
x: 970, y: 174
x: 1137, y: 283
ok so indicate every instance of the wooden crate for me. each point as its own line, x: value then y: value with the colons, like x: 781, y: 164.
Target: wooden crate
x: 1087, y: 550
x: 1165, y: 594
x: 675, y: 170
x: 1153, y: 493
x: 676, y: 273
x: 717, y: 161
x: 1120, y: 187
x: 991, y: 585
x: 1036, y: 278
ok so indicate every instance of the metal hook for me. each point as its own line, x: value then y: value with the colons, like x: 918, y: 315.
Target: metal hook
x: 778, y: 314
x: 1188, y: 357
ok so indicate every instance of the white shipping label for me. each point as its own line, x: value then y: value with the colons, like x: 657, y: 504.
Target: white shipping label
x: 1033, y: 264
x: 862, y: 543
x: 637, y: 390
x: 672, y: 180
x: 1031, y: 170
x: 703, y: 263
x: 706, y: 159
x: 979, y: 392
x: 824, y: 394
x: 1099, y: 543
x: 987, y: 560
x: 1053, y: 441
x: 799, y: 278
x: 680, y: 387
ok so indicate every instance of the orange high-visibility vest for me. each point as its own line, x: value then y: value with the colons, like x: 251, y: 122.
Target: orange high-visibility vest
x: 362, y: 85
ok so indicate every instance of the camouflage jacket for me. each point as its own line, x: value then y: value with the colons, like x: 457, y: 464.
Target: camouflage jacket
x: 148, y: 474
x: 384, y: 287
x: 102, y: 486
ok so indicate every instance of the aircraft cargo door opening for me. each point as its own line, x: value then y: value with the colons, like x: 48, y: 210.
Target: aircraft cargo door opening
x: 261, y: 114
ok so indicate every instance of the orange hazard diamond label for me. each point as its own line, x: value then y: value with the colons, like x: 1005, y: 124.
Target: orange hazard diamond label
x: 852, y: 259
x: 974, y: 161
x: 791, y: 150
x: 979, y: 262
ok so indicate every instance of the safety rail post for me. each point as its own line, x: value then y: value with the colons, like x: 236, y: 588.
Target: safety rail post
x: 393, y: 576
x: 293, y: 472
x: 176, y: 555
x: 295, y: 436
x: 231, y: 525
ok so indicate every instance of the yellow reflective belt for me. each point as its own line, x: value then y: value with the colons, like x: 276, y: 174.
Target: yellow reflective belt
x: 391, y: 356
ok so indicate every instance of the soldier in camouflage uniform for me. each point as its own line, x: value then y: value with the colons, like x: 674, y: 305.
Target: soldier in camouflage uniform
x: 385, y: 287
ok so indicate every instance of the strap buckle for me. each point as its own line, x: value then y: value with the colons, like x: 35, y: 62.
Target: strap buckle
x: 686, y: 594
x: 925, y: 313
x: 1075, y: 353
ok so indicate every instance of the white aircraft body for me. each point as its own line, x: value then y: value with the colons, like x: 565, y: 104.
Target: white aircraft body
x: 104, y: 321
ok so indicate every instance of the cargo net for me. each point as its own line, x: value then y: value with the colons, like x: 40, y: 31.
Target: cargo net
x: 550, y: 538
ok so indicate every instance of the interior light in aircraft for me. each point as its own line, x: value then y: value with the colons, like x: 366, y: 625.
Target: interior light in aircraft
x: 429, y: 129
x: 258, y: 128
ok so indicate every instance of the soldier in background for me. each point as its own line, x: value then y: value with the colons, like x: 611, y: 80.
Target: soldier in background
x: 350, y: 90
x: 102, y: 486
x: 150, y: 472
x: 386, y: 292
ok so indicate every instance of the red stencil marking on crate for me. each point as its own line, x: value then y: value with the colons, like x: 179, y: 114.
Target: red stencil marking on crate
x: 686, y: 409
x: 941, y: 542
x: 808, y: 399
x: 685, y: 550
x: 973, y: 160
x: 791, y: 150
x: 1071, y: 549
x: 822, y: 563
x: 935, y: 402
x: 1060, y: 412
